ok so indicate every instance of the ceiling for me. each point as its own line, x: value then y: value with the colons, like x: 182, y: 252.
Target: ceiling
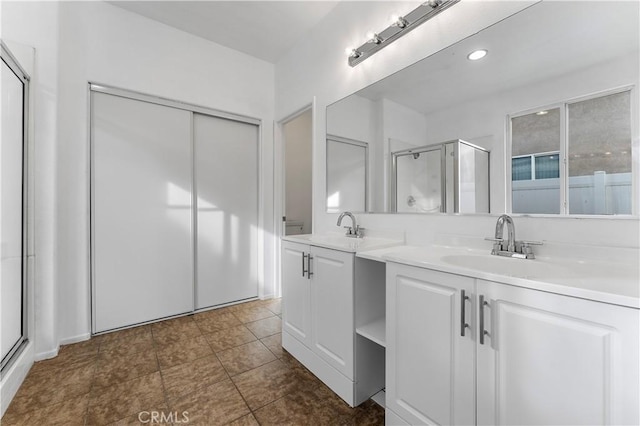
x: 263, y: 29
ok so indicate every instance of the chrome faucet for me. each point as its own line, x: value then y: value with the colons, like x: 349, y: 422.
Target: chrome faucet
x: 513, y: 248
x: 511, y: 231
x: 353, y: 231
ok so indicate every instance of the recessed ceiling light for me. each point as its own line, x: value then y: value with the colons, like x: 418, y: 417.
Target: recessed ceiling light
x: 542, y: 112
x: 477, y: 54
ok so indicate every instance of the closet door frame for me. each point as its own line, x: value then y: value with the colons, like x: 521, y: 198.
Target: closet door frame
x: 192, y: 108
x: 15, y: 67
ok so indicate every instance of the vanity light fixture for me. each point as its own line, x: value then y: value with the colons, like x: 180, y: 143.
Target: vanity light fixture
x: 542, y: 112
x: 401, y: 25
x: 477, y: 54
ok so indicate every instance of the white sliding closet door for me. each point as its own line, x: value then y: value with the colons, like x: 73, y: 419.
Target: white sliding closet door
x: 142, y: 211
x: 11, y: 213
x: 226, y: 170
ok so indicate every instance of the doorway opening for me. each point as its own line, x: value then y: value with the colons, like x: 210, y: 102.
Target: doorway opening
x: 297, y: 134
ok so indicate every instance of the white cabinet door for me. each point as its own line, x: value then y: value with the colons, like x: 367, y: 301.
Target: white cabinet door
x: 226, y: 182
x: 551, y: 359
x: 141, y: 213
x: 296, y: 297
x: 429, y: 365
x: 332, y: 308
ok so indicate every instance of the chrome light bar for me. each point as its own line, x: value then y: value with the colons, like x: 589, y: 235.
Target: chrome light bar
x: 401, y: 26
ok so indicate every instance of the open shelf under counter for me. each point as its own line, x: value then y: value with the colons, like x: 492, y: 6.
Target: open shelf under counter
x: 374, y: 331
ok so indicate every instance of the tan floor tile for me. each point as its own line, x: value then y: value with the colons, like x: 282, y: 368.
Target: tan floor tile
x: 296, y: 410
x: 69, y: 356
x: 285, y: 412
x: 113, y: 368
x: 274, y: 305
x: 79, y: 382
x: 41, y: 390
x: 69, y: 412
x: 274, y: 344
x: 272, y: 381
x: 200, y: 316
x: 124, y: 399
x: 251, y: 314
x: 229, y: 338
x: 122, y: 334
x: 128, y: 345
x: 243, y: 358
x: 245, y: 305
x: 369, y: 413
x: 193, y: 376
x: 183, y: 328
x: 218, y: 404
x: 265, y: 327
x: 159, y: 416
x: 218, y: 323
x: 183, y: 351
x: 247, y: 420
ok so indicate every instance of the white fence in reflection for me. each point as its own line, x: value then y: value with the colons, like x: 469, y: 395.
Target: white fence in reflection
x: 600, y: 193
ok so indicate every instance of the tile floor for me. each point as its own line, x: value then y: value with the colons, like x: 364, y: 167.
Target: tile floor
x: 224, y: 366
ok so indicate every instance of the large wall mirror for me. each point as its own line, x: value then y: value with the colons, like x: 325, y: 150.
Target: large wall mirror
x: 546, y: 122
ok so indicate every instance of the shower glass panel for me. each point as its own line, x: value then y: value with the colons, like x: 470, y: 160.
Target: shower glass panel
x: 451, y: 177
x: 419, y: 182
x: 474, y: 179
x: 12, y: 209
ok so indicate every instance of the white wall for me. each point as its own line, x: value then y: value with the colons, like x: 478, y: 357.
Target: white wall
x: 81, y: 42
x: 317, y: 66
x: 298, y: 165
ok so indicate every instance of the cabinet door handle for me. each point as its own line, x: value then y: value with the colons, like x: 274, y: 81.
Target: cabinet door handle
x: 309, y: 273
x: 483, y: 332
x: 463, y: 322
x: 303, y: 270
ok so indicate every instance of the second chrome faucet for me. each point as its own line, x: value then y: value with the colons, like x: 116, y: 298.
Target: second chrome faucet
x: 353, y: 231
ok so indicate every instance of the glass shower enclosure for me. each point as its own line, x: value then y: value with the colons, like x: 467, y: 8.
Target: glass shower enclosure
x: 447, y: 177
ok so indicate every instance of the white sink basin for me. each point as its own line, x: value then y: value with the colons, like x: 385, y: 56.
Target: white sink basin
x: 512, y: 267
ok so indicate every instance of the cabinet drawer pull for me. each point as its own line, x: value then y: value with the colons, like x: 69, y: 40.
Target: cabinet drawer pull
x: 309, y: 273
x: 463, y: 322
x: 303, y: 270
x: 483, y: 332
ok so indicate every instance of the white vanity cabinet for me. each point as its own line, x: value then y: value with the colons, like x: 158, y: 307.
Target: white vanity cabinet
x: 430, y: 364
x: 543, y: 358
x: 553, y: 359
x: 318, y: 312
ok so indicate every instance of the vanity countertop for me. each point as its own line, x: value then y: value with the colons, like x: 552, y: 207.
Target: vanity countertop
x: 340, y: 242
x: 609, y: 282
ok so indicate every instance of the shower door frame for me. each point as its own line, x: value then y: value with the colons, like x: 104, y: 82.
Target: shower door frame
x: 14, y: 66
x: 418, y: 150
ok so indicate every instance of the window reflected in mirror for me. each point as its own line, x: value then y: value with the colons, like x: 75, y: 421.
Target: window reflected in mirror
x: 535, y: 147
x: 597, y: 179
x: 599, y: 155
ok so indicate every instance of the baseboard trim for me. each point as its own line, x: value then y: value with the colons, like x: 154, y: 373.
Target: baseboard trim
x: 47, y: 355
x: 75, y: 339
